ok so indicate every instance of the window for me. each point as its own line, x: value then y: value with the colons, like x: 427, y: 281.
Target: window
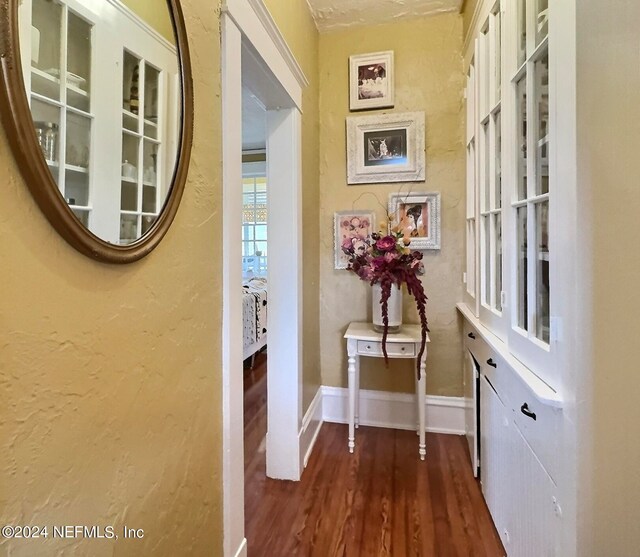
x: 254, y: 222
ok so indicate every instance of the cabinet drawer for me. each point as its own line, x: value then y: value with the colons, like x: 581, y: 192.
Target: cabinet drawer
x: 543, y: 432
x: 374, y: 348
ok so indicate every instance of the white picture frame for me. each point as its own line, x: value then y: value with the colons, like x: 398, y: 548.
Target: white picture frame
x: 371, y: 80
x: 418, y: 215
x: 350, y: 224
x: 385, y: 148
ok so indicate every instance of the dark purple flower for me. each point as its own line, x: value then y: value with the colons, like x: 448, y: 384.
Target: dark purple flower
x: 386, y: 243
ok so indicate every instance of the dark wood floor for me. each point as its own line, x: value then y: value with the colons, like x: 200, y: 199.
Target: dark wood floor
x: 380, y: 501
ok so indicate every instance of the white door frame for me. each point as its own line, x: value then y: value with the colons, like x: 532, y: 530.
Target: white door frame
x: 251, y: 38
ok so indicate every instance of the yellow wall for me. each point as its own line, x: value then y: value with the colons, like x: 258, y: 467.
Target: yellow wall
x: 608, y: 411
x: 468, y: 9
x: 296, y: 25
x: 429, y: 78
x: 155, y: 13
x: 110, y: 375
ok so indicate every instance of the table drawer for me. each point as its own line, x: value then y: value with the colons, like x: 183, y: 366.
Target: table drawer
x: 374, y: 348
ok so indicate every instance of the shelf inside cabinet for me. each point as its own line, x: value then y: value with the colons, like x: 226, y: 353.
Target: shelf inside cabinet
x: 45, y: 84
x: 74, y: 168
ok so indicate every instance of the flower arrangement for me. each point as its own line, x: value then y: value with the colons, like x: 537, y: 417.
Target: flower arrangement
x: 388, y: 260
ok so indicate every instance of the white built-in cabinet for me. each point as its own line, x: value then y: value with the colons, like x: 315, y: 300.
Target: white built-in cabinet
x: 510, y: 317
x: 103, y: 88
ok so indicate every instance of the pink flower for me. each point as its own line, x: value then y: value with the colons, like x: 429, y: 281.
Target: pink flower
x: 390, y: 256
x: 386, y: 243
x: 347, y: 244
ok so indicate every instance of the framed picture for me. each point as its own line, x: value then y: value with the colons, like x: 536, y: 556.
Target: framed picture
x: 371, y: 80
x: 351, y: 227
x: 418, y: 216
x: 385, y: 148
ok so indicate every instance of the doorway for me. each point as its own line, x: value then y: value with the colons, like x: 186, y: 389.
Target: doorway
x: 253, y: 59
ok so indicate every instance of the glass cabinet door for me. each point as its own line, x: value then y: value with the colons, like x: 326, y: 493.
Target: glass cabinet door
x: 141, y: 147
x: 60, y: 96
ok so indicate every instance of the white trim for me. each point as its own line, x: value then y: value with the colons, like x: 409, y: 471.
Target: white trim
x: 144, y: 25
x: 262, y: 33
x: 272, y: 29
x: 284, y: 275
x: 232, y: 386
x: 395, y: 410
x: 311, y: 425
x: 242, y: 549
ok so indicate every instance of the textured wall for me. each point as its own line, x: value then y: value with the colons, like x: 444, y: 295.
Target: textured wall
x: 110, y: 375
x: 468, y: 8
x: 295, y: 23
x: 429, y: 78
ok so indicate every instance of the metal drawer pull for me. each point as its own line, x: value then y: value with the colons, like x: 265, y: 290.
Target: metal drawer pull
x: 368, y: 347
x: 471, y: 335
x: 491, y: 362
x: 402, y: 348
x: 525, y: 410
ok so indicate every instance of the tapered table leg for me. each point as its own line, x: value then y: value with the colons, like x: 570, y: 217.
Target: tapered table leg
x: 421, y: 396
x: 351, y: 372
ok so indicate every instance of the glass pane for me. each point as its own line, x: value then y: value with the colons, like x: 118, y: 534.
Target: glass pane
x: 82, y: 216
x: 78, y: 62
x: 542, y: 139
x: 151, y: 83
x: 78, y: 144
x: 129, y: 196
x: 149, y: 160
x: 521, y: 219
x: 147, y: 223
x: 498, y: 56
x: 497, y: 227
x: 497, y: 157
x: 485, y: 76
x: 130, y: 83
x: 261, y: 248
x: 522, y: 137
x: 542, y: 271
x: 261, y: 184
x: 542, y: 20
x: 486, y: 169
x: 46, y: 48
x: 247, y: 232
x: 149, y: 199
x: 130, y: 150
x: 46, y: 119
x: 471, y: 182
x: 522, y: 31
x: 486, y: 259
x: 76, y: 187
x: 471, y: 257
x: 128, y: 228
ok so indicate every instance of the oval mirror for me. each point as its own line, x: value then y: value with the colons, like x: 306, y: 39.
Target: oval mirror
x: 98, y: 111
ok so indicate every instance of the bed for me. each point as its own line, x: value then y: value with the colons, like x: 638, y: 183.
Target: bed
x: 254, y: 316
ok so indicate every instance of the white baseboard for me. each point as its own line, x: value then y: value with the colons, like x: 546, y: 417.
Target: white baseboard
x: 311, y: 424
x: 242, y: 550
x: 444, y: 414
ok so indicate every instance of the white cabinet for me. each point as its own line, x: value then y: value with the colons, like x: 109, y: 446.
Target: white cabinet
x: 472, y: 407
x: 519, y: 444
x: 103, y: 88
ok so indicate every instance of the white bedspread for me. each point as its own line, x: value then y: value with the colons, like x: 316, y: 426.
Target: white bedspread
x: 254, y: 311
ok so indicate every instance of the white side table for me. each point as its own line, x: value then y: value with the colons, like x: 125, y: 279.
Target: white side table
x: 363, y: 340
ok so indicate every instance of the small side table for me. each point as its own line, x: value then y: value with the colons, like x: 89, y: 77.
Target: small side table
x: 363, y: 340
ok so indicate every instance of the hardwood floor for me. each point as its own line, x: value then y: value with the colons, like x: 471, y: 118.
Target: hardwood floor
x: 380, y: 501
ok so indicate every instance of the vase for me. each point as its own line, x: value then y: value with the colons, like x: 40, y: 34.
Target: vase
x: 394, y: 308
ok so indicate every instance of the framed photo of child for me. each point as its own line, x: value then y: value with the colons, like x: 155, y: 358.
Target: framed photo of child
x: 417, y: 216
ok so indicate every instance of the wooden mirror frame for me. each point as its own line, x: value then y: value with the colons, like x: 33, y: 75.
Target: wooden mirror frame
x: 18, y: 123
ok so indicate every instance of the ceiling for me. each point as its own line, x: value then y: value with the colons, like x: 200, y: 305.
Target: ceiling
x: 254, y: 122
x: 339, y: 14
